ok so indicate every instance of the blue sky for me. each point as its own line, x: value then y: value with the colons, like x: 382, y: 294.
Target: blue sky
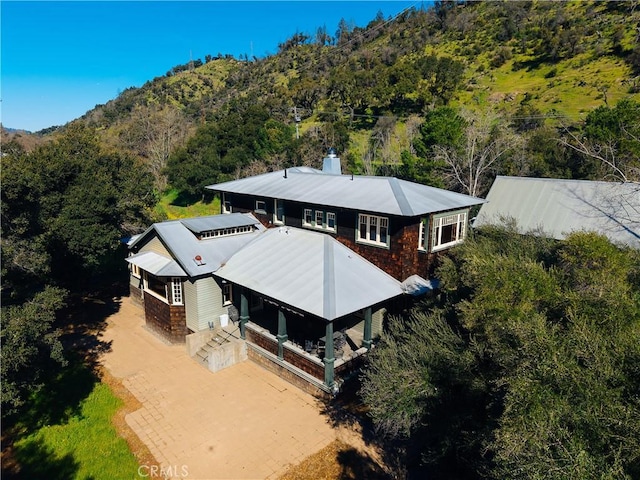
x: 60, y: 59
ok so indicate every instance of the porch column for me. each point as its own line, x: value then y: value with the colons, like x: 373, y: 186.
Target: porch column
x: 329, y: 355
x: 282, y: 333
x: 366, y: 339
x: 244, y: 312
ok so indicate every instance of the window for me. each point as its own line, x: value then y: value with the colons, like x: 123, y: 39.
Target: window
x: 225, y: 232
x: 226, y: 204
x: 373, y: 229
x: 319, y: 219
x: 176, y: 289
x: 135, y: 270
x: 331, y: 221
x: 167, y: 290
x: 157, y: 286
x: 307, y: 219
x: 424, y: 234
x: 278, y: 212
x: 261, y: 206
x: 448, y: 230
x: 227, y: 297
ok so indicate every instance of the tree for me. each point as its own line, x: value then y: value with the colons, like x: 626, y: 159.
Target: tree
x: 65, y: 208
x: 29, y: 344
x: 487, y: 143
x: 154, y: 135
x: 525, y: 366
x: 612, y: 139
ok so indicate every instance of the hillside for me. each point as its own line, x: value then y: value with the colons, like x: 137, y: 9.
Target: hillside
x: 367, y: 90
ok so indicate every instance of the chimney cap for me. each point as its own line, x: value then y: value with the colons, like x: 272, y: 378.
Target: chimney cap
x: 332, y: 152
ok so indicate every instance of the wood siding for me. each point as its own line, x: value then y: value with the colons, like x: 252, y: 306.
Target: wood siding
x: 154, y: 244
x: 400, y: 259
x: 168, y: 321
x: 203, y: 300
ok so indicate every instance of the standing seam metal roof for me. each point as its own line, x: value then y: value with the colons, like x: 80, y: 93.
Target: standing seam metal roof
x: 311, y: 272
x: 559, y: 207
x: 386, y: 195
x: 185, y: 246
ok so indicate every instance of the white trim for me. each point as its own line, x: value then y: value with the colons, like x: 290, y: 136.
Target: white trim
x: 262, y: 210
x: 226, y: 205
x: 423, y: 236
x: 135, y: 270
x: 458, y: 221
x: 276, y: 220
x: 332, y: 216
x: 373, y: 230
x: 318, y: 219
x: 307, y: 212
x: 227, y: 294
x: 176, y: 291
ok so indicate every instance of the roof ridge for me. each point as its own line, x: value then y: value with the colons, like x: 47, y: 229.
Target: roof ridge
x: 401, y: 198
x: 329, y: 280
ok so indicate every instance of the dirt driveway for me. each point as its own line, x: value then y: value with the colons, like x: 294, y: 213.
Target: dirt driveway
x: 239, y: 423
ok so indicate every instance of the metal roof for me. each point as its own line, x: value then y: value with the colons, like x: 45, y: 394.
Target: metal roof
x: 213, y: 252
x: 559, y: 207
x: 387, y: 195
x: 157, y: 264
x: 311, y: 272
x: 217, y: 222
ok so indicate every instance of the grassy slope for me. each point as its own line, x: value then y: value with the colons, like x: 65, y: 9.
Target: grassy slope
x: 69, y: 449
x: 172, y: 207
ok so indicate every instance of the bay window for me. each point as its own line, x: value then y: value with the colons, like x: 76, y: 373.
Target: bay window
x: 448, y: 229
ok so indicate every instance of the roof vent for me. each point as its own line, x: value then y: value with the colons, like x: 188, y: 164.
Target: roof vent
x: 331, y: 163
x: 199, y: 261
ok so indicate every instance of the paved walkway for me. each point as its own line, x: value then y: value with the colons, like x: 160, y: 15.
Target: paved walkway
x: 241, y: 423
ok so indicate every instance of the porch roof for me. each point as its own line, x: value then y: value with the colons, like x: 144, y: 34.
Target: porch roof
x: 311, y: 272
x: 157, y: 264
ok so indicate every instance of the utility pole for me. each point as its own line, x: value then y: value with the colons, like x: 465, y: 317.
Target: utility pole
x: 297, y: 119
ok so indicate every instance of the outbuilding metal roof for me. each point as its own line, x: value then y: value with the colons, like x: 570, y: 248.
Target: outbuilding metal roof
x: 559, y: 207
x: 311, y: 272
x: 181, y: 241
x: 387, y: 195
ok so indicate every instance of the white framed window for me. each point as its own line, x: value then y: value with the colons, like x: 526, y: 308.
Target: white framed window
x: 307, y: 218
x: 331, y: 221
x: 226, y: 204
x: 423, y: 238
x: 319, y: 219
x: 373, y: 230
x: 278, y: 211
x: 261, y: 206
x: 176, y: 290
x: 135, y: 270
x: 448, y: 229
x: 225, y: 232
x: 169, y: 290
x: 227, y: 294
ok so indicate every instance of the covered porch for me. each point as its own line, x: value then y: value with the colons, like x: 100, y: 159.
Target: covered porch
x: 306, y: 304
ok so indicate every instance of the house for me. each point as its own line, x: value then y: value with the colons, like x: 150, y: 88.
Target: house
x: 397, y: 225
x: 558, y: 207
x: 299, y: 267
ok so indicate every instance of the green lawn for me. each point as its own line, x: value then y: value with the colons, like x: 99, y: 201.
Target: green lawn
x: 83, y: 446
x: 173, y: 206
